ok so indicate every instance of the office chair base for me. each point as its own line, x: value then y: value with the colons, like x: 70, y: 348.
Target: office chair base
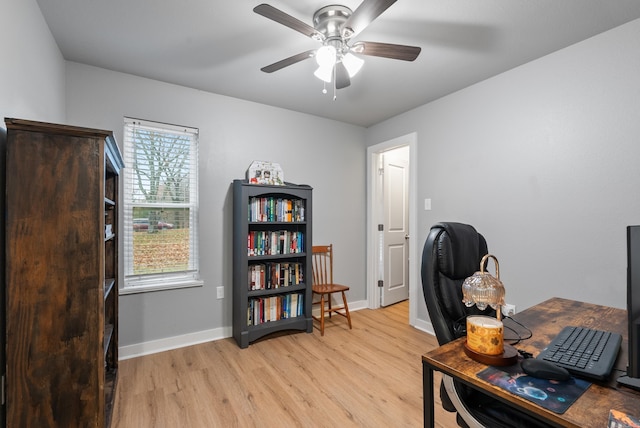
x: 508, y: 358
x: 462, y: 412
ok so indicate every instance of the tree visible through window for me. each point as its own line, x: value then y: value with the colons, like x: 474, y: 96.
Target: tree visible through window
x: 161, y: 202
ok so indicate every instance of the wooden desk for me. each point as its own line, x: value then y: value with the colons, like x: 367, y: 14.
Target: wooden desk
x: 545, y: 321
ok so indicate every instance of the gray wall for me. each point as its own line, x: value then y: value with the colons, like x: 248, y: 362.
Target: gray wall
x: 31, y: 67
x: 325, y: 154
x: 544, y: 161
x: 541, y: 159
x: 38, y: 84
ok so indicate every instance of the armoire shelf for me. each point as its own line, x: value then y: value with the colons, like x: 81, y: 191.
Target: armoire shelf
x: 61, y: 274
x: 274, y: 245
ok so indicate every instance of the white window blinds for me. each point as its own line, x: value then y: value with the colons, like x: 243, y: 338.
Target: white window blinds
x: 160, y: 203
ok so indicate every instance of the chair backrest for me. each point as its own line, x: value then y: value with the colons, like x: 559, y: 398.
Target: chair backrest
x: 451, y: 253
x: 322, y: 256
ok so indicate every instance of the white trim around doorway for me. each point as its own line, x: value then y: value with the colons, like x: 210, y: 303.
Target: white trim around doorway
x: 373, y: 152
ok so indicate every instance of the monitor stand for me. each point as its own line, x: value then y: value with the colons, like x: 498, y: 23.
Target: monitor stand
x: 630, y: 382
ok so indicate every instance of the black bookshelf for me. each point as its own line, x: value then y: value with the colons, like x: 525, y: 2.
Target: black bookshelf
x: 272, y: 269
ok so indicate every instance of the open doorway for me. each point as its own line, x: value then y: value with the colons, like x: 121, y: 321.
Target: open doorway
x: 392, y: 268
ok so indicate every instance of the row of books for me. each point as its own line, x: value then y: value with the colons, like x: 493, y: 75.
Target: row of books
x: 267, y: 276
x: 272, y: 208
x: 270, y: 243
x: 275, y: 308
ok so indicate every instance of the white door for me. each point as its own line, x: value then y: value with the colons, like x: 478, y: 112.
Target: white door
x: 396, y: 226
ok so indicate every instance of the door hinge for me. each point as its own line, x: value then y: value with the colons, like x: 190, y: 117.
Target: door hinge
x: 380, y: 283
x: 380, y: 227
x: 380, y: 171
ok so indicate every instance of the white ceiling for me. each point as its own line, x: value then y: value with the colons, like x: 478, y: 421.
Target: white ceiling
x: 219, y: 46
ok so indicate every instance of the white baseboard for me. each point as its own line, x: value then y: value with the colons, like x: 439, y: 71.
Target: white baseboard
x: 175, y: 342
x: 425, y: 326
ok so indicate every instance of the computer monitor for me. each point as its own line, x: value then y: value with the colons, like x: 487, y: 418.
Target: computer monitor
x: 632, y: 379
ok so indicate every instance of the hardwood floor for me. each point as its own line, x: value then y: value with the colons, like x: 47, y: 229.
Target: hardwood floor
x: 370, y: 376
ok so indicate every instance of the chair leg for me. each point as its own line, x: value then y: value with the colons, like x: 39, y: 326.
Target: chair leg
x: 346, y: 308
x: 322, y: 315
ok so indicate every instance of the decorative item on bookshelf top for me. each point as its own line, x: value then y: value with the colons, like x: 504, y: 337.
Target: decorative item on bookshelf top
x: 262, y: 172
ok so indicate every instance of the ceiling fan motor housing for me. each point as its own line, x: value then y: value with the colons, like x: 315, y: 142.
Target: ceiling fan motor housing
x: 330, y: 21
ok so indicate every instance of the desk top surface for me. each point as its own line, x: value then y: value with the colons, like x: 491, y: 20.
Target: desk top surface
x: 545, y: 320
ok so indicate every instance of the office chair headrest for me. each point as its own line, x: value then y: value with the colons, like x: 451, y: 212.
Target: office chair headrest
x: 458, y: 250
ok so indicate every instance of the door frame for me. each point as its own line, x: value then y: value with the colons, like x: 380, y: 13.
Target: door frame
x: 373, y: 203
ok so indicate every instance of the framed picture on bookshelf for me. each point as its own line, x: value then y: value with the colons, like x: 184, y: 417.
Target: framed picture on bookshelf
x: 262, y: 172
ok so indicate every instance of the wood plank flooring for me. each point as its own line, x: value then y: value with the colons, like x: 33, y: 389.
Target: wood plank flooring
x: 370, y: 376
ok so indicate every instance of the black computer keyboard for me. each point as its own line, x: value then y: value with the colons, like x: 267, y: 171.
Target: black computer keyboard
x: 583, y: 351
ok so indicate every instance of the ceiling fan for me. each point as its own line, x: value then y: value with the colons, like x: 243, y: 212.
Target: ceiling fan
x: 334, y: 26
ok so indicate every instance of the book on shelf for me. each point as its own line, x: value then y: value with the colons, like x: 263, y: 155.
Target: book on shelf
x: 275, y: 209
x: 274, y: 308
x: 271, y: 243
x: 266, y: 276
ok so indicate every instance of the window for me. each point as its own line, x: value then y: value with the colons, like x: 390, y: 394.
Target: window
x: 160, y: 206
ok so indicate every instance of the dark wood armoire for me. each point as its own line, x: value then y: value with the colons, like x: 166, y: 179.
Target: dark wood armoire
x: 61, y: 278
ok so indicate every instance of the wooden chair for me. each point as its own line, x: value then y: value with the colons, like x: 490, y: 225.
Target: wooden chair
x: 324, y: 286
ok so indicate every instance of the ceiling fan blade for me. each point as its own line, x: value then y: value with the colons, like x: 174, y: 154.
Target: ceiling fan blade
x: 364, y: 15
x: 280, y: 17
x: 386, y: 50
x: 288, y: 61
x: 342, y: 76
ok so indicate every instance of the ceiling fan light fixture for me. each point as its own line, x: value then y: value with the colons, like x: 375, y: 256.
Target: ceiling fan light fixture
x: 352, y: 63
x: 324, y: 73
x: 326, y: 56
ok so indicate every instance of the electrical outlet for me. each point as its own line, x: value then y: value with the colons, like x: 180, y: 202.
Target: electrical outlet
x: 508, y: 309
x: 220, y: 291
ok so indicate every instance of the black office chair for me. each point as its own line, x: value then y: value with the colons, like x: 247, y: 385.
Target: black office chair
x: 452, y: 252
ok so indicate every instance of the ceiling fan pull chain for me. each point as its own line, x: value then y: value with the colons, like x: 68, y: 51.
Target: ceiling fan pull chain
x: 335, y: 91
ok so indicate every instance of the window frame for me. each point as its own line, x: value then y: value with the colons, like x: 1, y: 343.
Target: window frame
x: 138, y: 283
